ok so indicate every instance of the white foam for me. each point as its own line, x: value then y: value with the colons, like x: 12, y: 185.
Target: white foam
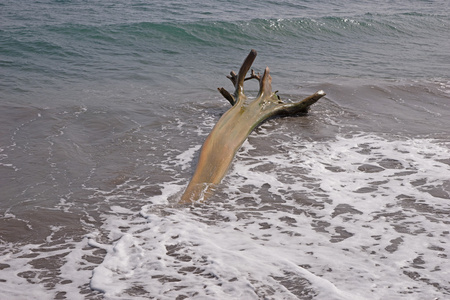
x: 185, y: 158
x: 26, y: 279
x: 338, y: 219
x: 345, y: 218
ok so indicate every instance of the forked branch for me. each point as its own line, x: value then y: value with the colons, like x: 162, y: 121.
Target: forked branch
x: 253, y: 75
x: 235, y: 125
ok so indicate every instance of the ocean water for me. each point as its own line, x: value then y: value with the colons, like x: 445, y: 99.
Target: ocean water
x: 104, y: 106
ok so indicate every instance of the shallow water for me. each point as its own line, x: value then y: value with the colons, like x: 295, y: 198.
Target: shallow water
x: 104, y: 108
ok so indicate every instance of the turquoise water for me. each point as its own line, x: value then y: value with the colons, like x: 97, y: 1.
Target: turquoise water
x: 56, y: 44
x: 105, y: 104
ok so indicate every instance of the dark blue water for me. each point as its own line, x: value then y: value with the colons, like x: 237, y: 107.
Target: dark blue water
x: 105, y: 104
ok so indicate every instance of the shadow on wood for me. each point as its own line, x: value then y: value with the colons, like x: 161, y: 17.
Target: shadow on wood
x: 235, y: 125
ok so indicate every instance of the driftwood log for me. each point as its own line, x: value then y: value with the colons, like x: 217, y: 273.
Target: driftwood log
x: 235, y: 125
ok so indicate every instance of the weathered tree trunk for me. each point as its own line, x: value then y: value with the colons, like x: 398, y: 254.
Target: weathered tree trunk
x: 235, y: 125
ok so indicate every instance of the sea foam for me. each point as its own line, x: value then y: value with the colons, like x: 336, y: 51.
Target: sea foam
x: 342, y: 219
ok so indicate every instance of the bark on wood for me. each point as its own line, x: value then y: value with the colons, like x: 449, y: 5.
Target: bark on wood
x: 235, y: 125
